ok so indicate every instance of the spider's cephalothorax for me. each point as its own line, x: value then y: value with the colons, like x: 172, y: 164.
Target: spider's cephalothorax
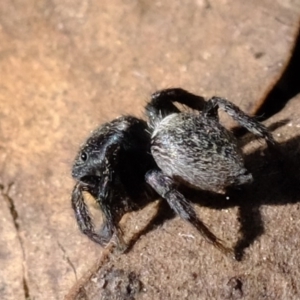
x: 111, y: 166
x: 124, y: 162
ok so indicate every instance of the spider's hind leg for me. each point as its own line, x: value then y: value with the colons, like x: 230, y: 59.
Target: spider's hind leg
x: 161, y: 103
x: 166, y: 188
x: 250, y: 123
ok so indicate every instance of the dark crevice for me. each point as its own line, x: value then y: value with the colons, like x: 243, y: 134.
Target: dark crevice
x: 66, y: 257
x: 26, y: 289
x: 286, y: 88
x: 15, y: 217
x: 12, y: 207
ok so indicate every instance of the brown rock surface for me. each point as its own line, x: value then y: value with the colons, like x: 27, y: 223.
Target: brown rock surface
x: 65, y: 67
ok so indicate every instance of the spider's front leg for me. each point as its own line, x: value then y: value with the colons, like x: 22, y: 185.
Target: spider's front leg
x: 250, y: 123
x: 112, y: 213
x: 166, y: 188
x: 161, y: 103
x: 109, y: 228
x: 83, y: 217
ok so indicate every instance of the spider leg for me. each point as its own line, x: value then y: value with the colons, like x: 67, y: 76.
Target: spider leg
x: 250, y: 123
x: 166, y: 188
x: 112, y: 216
x: 83, y: 217
x: 161, y: 103
x: 85, y: 223
x: 110, y: 229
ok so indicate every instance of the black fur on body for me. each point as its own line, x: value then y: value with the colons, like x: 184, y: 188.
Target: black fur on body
x: 124, y: 163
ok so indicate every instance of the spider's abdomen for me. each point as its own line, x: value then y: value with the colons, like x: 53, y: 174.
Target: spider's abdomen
x: 198, y: 151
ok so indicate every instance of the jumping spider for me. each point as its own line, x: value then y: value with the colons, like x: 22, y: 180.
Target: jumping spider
x: 126, y: 163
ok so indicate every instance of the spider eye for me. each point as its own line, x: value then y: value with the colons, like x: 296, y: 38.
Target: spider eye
x: 83, y: 156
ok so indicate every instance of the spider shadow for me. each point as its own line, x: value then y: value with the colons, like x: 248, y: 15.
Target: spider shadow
x: 163, y: 213
x: 276, y: 176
